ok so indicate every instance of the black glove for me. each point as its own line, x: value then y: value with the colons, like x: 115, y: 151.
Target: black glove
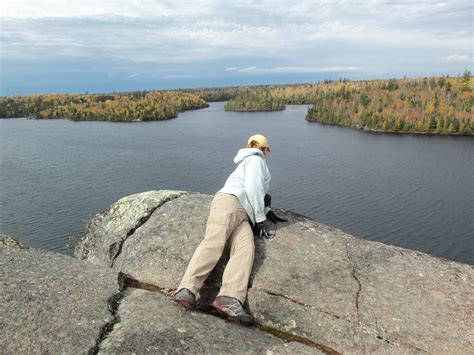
x: 274, y: 218
x: 267, y: 200
x: 260, y: 232
x: 270, y: 214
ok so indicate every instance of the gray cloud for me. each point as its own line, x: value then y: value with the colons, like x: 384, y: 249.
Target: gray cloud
x: 208, y: 38
x: 460, y: 58
x: 174, y: 40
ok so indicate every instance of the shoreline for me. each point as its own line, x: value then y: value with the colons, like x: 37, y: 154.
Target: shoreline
x: 380, y: 131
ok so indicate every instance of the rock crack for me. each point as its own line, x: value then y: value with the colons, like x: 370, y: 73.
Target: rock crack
x: 112, y: 304
x: 359, y: 285
x: 271, y: 293
x: 126, y: 281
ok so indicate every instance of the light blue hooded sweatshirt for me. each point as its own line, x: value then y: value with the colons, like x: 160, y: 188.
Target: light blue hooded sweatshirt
x: 250, y: 181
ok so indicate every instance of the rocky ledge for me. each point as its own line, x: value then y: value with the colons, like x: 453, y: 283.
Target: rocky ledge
x: 314, y: 289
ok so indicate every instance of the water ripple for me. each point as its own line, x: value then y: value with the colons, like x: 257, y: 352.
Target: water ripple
x: 414, y: 192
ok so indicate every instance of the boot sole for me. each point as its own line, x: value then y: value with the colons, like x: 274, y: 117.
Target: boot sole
x: 219, y: 310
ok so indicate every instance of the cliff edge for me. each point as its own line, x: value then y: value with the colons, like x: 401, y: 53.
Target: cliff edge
x: 313, y: 289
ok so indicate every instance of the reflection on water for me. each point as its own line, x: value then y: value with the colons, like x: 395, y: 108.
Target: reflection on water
x: 411, y: 191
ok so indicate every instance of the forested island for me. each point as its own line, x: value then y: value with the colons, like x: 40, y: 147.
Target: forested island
x: 428, y: 105
x: 135, y: 106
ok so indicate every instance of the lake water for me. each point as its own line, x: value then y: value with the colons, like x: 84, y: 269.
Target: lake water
x: 412, y: 191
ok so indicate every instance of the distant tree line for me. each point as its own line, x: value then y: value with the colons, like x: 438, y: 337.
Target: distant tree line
x: 217, y: 94
x: 439, y: 105
x: 135, y: 106
x: 255, y: 100
x: 227, y: 93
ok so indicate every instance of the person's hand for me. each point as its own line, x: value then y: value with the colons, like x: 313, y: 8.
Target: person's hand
x: 272, y: 216
x: 260, y: 232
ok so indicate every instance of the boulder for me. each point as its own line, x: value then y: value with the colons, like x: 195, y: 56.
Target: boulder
x: 311, y: 283
x: 51, y: 303
x: 108, y: 229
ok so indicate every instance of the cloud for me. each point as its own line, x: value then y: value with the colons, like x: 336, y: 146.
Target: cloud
x: 184, y: 76
x: 459, y: 58
x: 298, y: 70
x: 87, y: 8
x: 212, y: 38
x: 173, y: 40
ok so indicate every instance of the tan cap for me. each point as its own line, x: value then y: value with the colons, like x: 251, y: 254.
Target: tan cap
x: 260, y: 140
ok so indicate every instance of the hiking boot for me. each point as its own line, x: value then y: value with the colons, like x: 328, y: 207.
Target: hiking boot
x: 232, y: 308
x: 185, y: 298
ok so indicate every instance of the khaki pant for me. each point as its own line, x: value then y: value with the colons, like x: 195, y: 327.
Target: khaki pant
x: 227, y: 223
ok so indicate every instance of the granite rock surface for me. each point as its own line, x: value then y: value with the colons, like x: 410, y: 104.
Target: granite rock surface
x: 51, y: 303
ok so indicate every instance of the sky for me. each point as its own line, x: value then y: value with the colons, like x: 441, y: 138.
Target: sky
x: 126, y: 45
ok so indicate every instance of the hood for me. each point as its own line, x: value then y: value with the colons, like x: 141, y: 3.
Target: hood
x: 247, y: 152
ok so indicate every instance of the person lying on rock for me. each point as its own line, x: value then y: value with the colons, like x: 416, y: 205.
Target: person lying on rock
x: 238, y: 204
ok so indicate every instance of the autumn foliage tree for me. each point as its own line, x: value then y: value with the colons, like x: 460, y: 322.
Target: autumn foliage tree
x: 437, y: 105
x: 136, y: 106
